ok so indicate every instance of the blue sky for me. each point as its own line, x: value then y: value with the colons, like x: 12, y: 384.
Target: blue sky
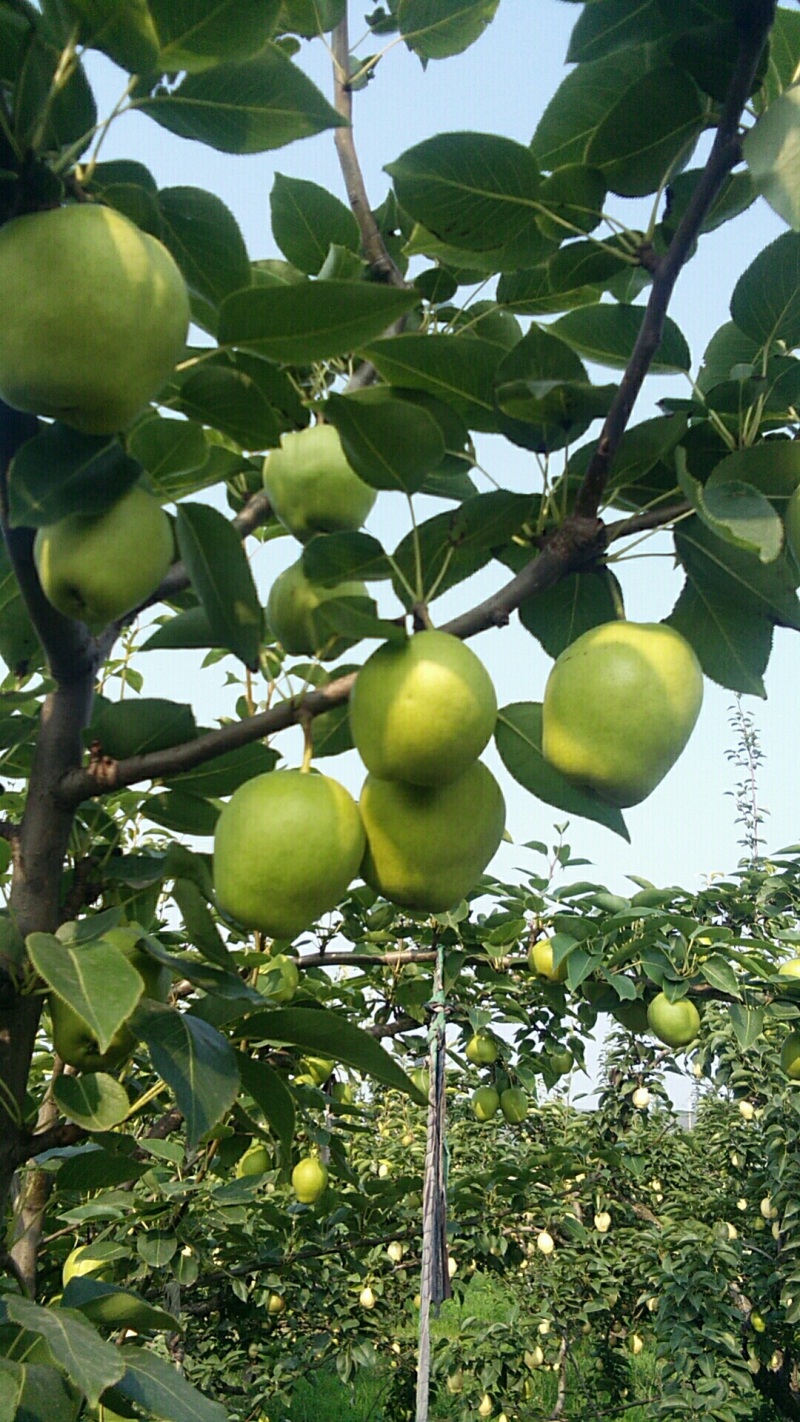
x: 686, y: 829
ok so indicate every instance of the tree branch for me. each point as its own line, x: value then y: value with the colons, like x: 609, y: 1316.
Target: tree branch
x: 374, y: 246
x: 643, y: 522
x: 725, y: 154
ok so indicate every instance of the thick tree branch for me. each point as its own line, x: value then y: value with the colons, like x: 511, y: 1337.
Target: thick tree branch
x: 725, y: 154
x: 644, y: 522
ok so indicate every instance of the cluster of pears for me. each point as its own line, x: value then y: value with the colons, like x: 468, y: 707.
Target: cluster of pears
x: 431, y: 815
x: 512, y: 1101
x: 619, y: 707
x: 312, y: 490
x: 95, y: 316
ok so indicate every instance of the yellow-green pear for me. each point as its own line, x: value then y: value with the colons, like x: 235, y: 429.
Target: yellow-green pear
x: 95, y: 316
x: 309, y: 1179
x: 423, y: 710
x: 97, y: 567
x: 676, y: 1024
x: 311, y: 486
x: 292, y: 608
x: 427, y: 845
x: 619, y: 707
x: 286, y: 847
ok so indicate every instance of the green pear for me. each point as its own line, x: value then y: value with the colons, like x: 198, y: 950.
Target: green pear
x: 292, y: 614
x: 287, y: 845
x: 423, y: 710
x: 427, y: 845
x: 311, y: 486
x: 619, y: 707
x: 676, y: 1024
x: 95, y: 316
x: 75, y: 1041
x: 97, y: 567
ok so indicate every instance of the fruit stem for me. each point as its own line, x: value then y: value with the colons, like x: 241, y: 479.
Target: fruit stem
x: 308, y: 746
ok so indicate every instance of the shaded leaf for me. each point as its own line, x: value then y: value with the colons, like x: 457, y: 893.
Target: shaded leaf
x: 225, y: 773
x: 217, y: 565
x: 747, y: 1023
x: 607, y: 334
x: 310, y: 321
x: 766, y: 298
x: 390, y: 443
x: 185, y: 814
x: 735, y: 511
x: 518, y: 736
x: 93, y: 1100
x: 61, y: 472
x: 646, y: 130
x: 89, y: 1362
x: 583, y: 101
x: 112, y: 1307
x: 578, y: 602
x: 270, y: 1092
x: 436, y: 29
x: 327, y: 1033
x: 459, y: 370
x: 96, y: 980
x: 204, y: 238
x: 162, y: 1391
x: 307, y: 219
x: 332, y: 558
x: 194, y: 34
x: 251, y: 107
x: 195, y: 1061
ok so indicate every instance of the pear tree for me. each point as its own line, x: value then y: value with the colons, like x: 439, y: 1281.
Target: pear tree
x: 172, y: 404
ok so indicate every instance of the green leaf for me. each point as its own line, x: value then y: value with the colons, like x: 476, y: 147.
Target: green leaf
x: 732, y: 642
x: 109, y: 1306
x: 310, y: 18
x: 459, y: 370
x: 582, y: 103
x: 656, y: 121
x: 12, y: 1384
x: 718, y: 972
x: 747, y: 1023
x: 181, y: 812
x: 767, y: 588
x: 615, y: 24
x: 158, y: 1388
x: 61, y: 472
x: 199, y: 923
x: 772, y: 152
x: 195, y: 34
x: 46, y: 1394
x: 773, y: 466
x: 736, y: 195
x: 643, y: 471
x: 310, y: 321
x: 224, y: 774
x: 390, y: 443
x: 355, y: 618
x: 93, y: 1100
x: 766, y: 298
x: 195, y: 1060
x: 217, y: 565
x: 307, y: 219
x: 445, y: 560
x: 466, y: 188
x: 97, y: 981
x: 122, y: 29
x: 784, y: 45
x: 204, y: 238
x: 168, y: 447
x: 260, y: 104
x: 607, y: 334
x: 127, y: 728
x: 270, y: 1092
x: 561, y: 403
x: 189, y: 629
x: 572, y: 197
x: 329, y: 1034
x: 89, y: 1362
x: 156, y: 1248
x: 231, y: 401
x: 518, y: 736
x: 541, y: 361
x: 735, y: 511
x: 578, y: 602
x: 332, y: 558
x: 435, y: 29
x: 530, y: 293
